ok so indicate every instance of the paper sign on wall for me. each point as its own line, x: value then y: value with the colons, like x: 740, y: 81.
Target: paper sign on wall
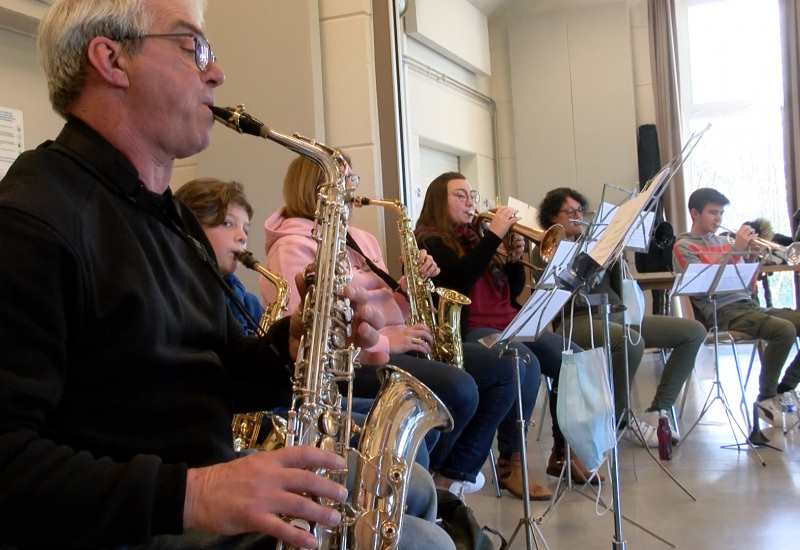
x: 12, y: 138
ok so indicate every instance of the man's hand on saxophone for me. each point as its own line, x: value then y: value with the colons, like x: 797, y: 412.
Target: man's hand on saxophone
x: 252, y: 494
x: 367, y: 322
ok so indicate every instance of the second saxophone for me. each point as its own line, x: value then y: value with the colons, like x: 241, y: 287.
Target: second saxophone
x: 444, y: 322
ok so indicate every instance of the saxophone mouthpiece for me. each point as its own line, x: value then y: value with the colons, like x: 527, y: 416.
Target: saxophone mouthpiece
x: 238, y: 119
x: 247, y: 259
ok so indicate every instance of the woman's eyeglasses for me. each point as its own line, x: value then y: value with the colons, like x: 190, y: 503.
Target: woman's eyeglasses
x: 202, y: 49
x: 462, y: 195
x: 572, y: 211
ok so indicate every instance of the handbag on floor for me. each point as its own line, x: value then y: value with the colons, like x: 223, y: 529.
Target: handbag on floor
x: 459, y: 521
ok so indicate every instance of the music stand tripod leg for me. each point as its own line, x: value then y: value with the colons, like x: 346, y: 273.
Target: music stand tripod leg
x: 630, y: 415
x: 532, y: 530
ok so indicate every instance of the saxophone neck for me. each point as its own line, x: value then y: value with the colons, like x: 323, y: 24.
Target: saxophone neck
x: 330, y: 160
x: 276, y: 309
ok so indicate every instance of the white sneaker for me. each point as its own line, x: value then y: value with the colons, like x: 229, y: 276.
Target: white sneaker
x: 769, y: 410
x: 651, y: 418
x: 640, y: 433
x: 460, y: 488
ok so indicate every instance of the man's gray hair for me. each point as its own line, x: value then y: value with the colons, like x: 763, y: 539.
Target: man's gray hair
x: 69, y: 26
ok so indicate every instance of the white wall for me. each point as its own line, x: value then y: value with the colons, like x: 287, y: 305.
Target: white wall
x: 271, y: 57
x: 538, y: 148
x: 447, y: 117
x: 23, y: 87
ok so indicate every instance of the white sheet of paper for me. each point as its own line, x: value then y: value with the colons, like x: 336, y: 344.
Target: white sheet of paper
x: 538, y: 311
x: 698, y: 278
x: 528, y: 215
x: 12, y: 138
x: 638, y: 238
x: 562, y: 257
x: 619, y: 226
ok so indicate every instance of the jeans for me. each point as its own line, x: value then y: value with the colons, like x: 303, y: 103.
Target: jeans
x: 548, y: 349
x: 455, y: 387
x: 684, y: 336
x: 530, y: 377
x: 419, y: 532
x: 462, y: 457
x: 779, y: 327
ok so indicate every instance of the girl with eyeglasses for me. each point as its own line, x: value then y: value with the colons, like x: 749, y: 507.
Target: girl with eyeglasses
x: 470, y: 264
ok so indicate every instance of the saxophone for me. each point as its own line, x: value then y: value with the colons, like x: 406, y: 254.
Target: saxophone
x: 443, y: 323
x: 278, y: 307
x: 404, y: 409
x: 246, y: 426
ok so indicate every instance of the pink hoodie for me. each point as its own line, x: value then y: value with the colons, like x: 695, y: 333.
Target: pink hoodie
x: 290, y: 248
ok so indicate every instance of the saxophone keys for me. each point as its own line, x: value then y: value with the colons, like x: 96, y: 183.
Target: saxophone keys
x: 329, y: 423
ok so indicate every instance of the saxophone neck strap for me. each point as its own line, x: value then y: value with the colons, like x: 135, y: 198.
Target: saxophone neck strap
x: 388, y: 279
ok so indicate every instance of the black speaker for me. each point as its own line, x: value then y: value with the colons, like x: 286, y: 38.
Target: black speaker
x: 658, y: 256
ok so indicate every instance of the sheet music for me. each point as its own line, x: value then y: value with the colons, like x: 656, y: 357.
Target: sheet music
x: 698, y: 278
x: 562, y: 257
x: 737, y: 277
x: 533, y: 318
x: 618, y: 228
x: 528, y: 215
x: 637, y: 238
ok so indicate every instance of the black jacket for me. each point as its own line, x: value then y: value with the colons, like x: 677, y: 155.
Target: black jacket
x: 461, y: 273
x: 120, y: 357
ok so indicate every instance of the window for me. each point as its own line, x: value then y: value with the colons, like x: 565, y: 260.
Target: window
x: 730, y: 62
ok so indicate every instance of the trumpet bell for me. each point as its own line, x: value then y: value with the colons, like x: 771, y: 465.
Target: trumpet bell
x: 664, y: 236
x: 550, y: 240
x: 793, y: 254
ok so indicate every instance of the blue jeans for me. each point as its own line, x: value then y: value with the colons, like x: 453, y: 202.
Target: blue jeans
x: 455, y: 387
x: 461, y: 457
x: 419, y: 532
x: 530, y: 376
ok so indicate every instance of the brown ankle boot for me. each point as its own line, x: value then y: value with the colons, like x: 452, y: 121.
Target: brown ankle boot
x: 578, y: 470
x: 509, y: 475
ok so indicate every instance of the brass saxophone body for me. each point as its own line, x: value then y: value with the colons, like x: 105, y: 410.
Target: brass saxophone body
x: 404, y: 409
x: 278, y: 307
x: 247, y: 426
x: 444, y: 322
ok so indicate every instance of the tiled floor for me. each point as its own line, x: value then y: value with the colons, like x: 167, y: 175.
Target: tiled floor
x: 740, y: 503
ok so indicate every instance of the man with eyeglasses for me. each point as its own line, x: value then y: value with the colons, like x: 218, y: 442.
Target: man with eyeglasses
x: 684, y: 337
x: 121, y: 361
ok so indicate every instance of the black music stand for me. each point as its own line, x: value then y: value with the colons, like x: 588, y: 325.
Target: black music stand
x: 529, y: 323
x: 711, y: 280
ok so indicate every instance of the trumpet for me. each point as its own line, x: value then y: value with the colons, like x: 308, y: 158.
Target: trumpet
x: 791, y: 253
x: 547, y: 240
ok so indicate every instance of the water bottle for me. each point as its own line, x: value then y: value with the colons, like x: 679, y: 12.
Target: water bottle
x: 788, y: 411
x: 664, y: 437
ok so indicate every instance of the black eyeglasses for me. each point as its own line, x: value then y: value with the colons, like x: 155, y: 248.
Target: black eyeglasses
x: 202, y: 49
x: 572, y: 211
x: 462, y: 195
